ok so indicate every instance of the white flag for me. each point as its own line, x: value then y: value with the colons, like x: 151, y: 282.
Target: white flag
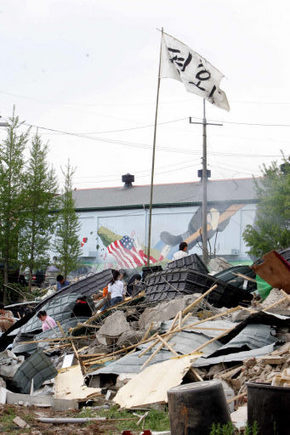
x: 181, y: 63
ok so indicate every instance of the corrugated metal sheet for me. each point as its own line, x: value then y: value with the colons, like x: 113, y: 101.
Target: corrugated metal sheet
x: 258, y: 318
x: 183, y: 343
x: 59, y: 306
x: 51, y: 333
x: 215, y: 327
x: 237, y: 356
x: 251, y: 337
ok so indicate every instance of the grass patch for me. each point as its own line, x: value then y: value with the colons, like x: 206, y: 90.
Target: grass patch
x: 228, y: 429
x: 155, y: 420
x: 7, y: 416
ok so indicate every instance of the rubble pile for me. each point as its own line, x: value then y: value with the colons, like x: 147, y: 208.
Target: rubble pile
x: 271, y: 369
x: 132, y: 353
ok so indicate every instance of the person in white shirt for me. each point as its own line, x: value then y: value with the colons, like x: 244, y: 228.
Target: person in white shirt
x: 182, y: 251
x: 116, y: 289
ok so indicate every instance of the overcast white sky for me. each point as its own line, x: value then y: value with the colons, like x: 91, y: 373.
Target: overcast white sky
x: 90, y: 67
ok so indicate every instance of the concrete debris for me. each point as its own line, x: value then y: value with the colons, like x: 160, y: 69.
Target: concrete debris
x: 132, y: 353
x: 21, y: 423
x: 240, y: 315
x: 283, y: 379
x: 264, y: 370
x: 130, y: 337
x: 239, y: 417
x: 275, y: 296
x: 114, y: 325
x: 9, y: 363
x: 218, y: 264
x: 2, y: 383
x: 165, y: 310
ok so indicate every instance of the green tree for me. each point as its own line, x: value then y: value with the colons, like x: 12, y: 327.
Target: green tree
x: 67, y: 244
x: 40, y: 189
x: 11, y: 192
x: 271, y: 229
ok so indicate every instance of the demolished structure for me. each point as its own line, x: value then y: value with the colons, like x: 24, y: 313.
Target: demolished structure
x: 183, y: 325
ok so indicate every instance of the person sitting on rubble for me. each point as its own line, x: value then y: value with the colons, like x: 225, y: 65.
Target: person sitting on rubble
x: 82, y: 308
x: 47, y: 321
x: 116, y: 289
x: 182, y: 251
x: 6, y: 319
x: 61, y: 282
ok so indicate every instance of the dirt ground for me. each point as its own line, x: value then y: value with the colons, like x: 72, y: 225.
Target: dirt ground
x: 30, y: 415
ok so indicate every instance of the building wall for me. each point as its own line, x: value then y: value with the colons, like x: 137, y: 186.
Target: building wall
x: 117, y: 238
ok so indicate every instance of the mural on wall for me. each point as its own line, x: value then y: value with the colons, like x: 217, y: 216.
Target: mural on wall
x: 125, y: 250
x: 218, y: 219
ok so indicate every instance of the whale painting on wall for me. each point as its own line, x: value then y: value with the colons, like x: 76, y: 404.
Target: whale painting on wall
x: 127, y: 249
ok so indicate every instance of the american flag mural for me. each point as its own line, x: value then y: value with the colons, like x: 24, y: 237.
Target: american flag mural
x: 127, y: 255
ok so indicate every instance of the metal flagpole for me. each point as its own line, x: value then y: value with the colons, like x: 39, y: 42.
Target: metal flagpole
x: 153, y: 156
x: 204, y: 188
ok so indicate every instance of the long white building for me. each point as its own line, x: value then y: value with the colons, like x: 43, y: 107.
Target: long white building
x: 114, y: 221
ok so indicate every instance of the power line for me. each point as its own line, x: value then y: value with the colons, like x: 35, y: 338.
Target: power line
x: 121, y: 129
x: 149, y: 146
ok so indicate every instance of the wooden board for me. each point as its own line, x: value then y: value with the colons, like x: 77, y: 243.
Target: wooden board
x: 151, y: 385
x: 69, y: 384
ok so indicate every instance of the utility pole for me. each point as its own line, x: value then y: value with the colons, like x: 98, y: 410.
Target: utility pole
x: 204, y: 178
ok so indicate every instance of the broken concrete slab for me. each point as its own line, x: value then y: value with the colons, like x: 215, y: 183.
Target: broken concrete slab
x: 165, y: 310
x: 41, y: 401
x: 21, y: 423
x: 240, y: 315
x: 114, y: 325
x: 239, y: 417
x: 218, y: 264
x: 9, y: 363
x: 28, y: 400
x: 130, y: 337
x: 275, y: 295
x: 3, y: 395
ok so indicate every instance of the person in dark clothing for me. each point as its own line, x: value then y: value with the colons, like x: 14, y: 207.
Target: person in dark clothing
x: 133, y: 281
x: 61, y: 282
x: 82, y: 308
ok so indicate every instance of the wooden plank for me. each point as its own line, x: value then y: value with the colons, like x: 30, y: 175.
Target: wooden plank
x: 198, y: 300
x: 152, y: 384
x: 44, y: 340
x: 133, y: 346
x: 69, y: 384
x: 167, y: 345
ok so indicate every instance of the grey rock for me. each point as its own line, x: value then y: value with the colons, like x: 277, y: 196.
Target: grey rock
x: 114, y: 325
x: 130, y: 337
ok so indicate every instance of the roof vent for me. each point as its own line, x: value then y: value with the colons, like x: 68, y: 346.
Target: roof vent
x: 128, y: 179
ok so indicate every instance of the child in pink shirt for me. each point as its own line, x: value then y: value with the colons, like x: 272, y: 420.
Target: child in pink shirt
x: 47, y: 321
